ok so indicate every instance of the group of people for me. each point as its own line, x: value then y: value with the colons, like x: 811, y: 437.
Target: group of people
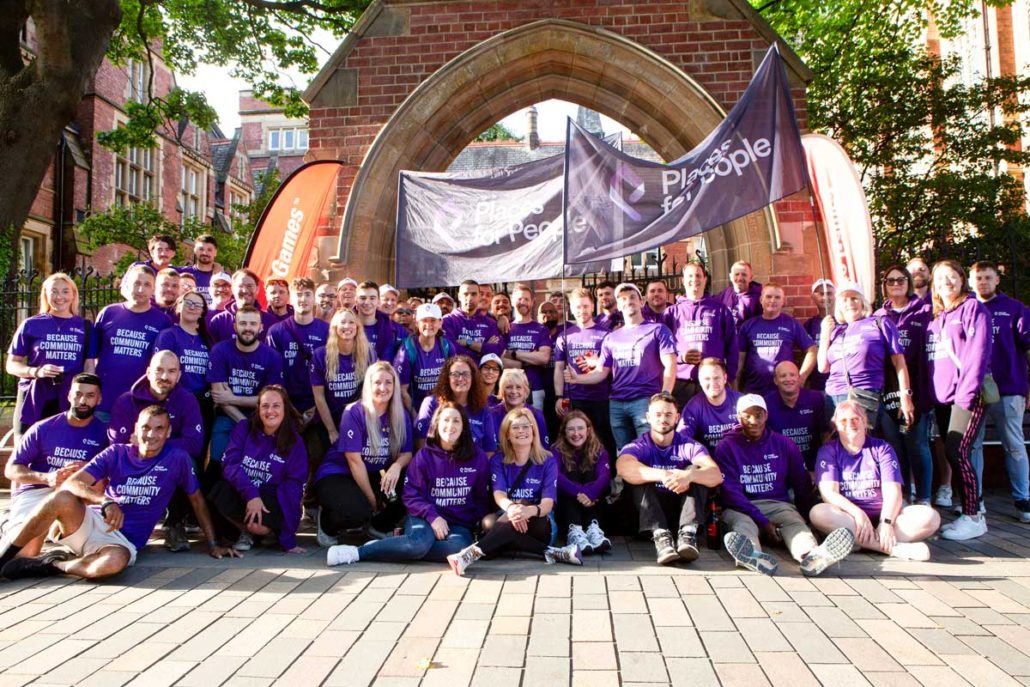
x: 457, y: 429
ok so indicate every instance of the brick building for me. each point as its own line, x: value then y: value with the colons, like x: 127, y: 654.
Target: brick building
x: 271, y: 140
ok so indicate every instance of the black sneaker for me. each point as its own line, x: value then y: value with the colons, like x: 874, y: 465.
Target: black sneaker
x: 686, y: 543
x: 834, y: 549
x: 35, y: 566
x: 663, y: 547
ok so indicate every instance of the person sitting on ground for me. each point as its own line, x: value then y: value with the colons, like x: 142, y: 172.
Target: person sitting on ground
x: 356, y: 484
x: 796, y: 413
x: 670, y: 476
x: 713, y: 412
x: 759, y: 468
x: 859, y: 478
x: 459, y: 382
x: 515, y: 394
x: 105, y: 530
x: 584, y: 473
x: 264, y: 468
x: 446, y: 492
x: 51, y: 451
x: 525, y: 485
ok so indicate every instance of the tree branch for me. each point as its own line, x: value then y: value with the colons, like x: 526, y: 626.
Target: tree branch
x: 299, y: 6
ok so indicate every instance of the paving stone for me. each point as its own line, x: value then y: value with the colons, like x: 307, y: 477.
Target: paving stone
x: 1001, y: 653
x: 866, y: 655
x: 689, y: 585
x: 503, y: 650
x: 891, y: 679
x: 937, y: 676
x: 101, y: 678
x: 811, y: 644
x: 411, y: 657
x: 595, y: 678
x: 739, y: 603
x: 692, y: 672
x: 726, y: 647
x: 496, y: 677
x: 71, y: 671
x: 474, y: 611
x: 590, y: 602
x: 634, y: 633
x: 785, y: 668
x: 765, y: 588
x: 857, y: 608
x: 707, y: 613
x: 978, y: 671
x: 926, y: 602
x: 964, y: 626
x: 680, y: 641
x: 940, y: 641
x: 483, y: 591
x: 834, y: 622
x: 743, y: 674
x: 785, y: 612
x: 510, y: 625
x: 986, y: 616
x: 467, y: 634
x: 591, y: 626
x: 642, y: 667
x: 593, y: 656
x: 666, y: 612
x: 163, y: 674
x: 552, y: 604
x: 948, y: 594
x: 838, y: 675
x: 546, y: 670
x: 626, y: 602
x: 905, y: 649
x: 332, y: 643
x: 213, y: 671
x: 588, y: 585
x: 554, y: 585
x: 550, y: 635
x: 515, y: 604
x: 432, y: 618
x: 249, y: 640
x: 451, y: 668
x: 761, y: 634
x: 53, y: 656
x: 623, y: 583
x: 1015, y: 635
x: 905, y: 615
x: 872, y: 591
x: 832, y: 586
x: 273, y: 658
x: 656, y: 587
x: 361, y: 664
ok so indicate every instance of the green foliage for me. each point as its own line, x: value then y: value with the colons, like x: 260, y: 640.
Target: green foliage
x: 929, y: 148
x: 498, y: 132
x: 258, y: 40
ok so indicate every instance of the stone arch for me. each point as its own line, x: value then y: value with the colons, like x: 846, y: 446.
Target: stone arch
x: 550, y: 58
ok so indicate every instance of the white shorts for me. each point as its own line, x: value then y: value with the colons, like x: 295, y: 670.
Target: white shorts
x: 22, y: 506
x: 92, y: 536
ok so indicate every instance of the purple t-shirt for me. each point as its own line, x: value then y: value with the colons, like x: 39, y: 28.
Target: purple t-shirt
x: 484, y: 434
x: 958, y: 345
x: 222, y: 324
x: 682, y: 452
x: 437, y: 486
x: 52, y: 443
x: 245, y: 373
x: 816, y: 380
x: 499, y: 411
x: 1011, y: 343
x: 766, y: 343
x: 47, y: 340
x: 203, y: 280
x: 583, y: 347
x: 804, y: 424
x: 355, y: 438
x: 707, y: 423
x: 254, y: 467
x: 479, y: 328
x: 124, y: 342
x: 704, y: 325
x: 342, y: 389
x: 610, y: 321
x: 531, y: 336
x: 421, y: 372
x: 194, y: 357
x: 861, y: 476
x: 541, y: 481
x: 634, y: 355
x: 866, y: 348
x: 142, y: 486
x: 745, y: 305
x: 296, y: 343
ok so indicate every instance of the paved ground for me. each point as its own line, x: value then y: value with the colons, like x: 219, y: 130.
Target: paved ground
x: 186, y: 619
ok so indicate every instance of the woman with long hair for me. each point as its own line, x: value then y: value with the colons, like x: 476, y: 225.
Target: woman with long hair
x: 525, y: 485
x: 356, y: 484
x: 859, y: 478
x: 958, y: 347
x: 338, y: 368
x: 515, y: 394
x: 263, y: 472
x: 47, y: 350
x: 459, y: 383
x: 446, y: 492
x: 490, y: 368
x: 583, y: 478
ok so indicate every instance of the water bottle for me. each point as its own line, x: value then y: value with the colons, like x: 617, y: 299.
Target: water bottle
x: 712, y: 526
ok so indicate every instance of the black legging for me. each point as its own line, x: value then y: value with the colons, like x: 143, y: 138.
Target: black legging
x: 959, y: 428
x: 503, y: 535
x: 345, y: 507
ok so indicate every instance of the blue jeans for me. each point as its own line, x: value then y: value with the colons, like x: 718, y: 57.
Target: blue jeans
x: 629, y: 420
x: 1007, y: 415
x: 220, y: 432
x: 418, y: 543
x: 913, y: 449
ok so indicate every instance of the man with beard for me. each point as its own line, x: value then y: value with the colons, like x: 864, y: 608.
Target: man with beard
x: 296, y: 339
x: 161, y: 249
x: 799, y: 414
x: 383, y: 334
x: 656, y: 297
x: 244, y: 293
x: 760, y: 468
x: 702, y: 328
x: 824, y: 293
x: 528, y: 344
x: 713, y: 412
x: 277, y: 296
x: 239, y: 370
x: 205, y: 250
x: 475, y: 332
x: 444, y: 301
x: 608, y: 314
x: 325, y: 296
x: 167, y: 287
x: 104, y: 530
x: 743, y: 296
x: 51, y: 451
x: 670, y: 476
x: 920, y: 272
x: 500, y: 306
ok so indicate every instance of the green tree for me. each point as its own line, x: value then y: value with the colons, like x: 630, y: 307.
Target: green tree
x: 930, y: 150
x: 132, y: 225
x: 498, y: 132
x: 257, y: 39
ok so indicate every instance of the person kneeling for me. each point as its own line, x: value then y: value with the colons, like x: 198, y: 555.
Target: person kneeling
x: 446, y: 492
x: 104, y: 531
x: 264, y: 468
x: 525, y: 485
x: 670, y: 477
x: 860, y: 481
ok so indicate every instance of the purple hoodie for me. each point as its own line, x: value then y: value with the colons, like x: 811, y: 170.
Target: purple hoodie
x: 436, y: 486
x: 958, y: 345
x: 383, y: 336
x: 183, y: 409
x: 531, y: 336
x: 254, y: 468
x: 706, y: 325
x: 745, y: 305
x: 762, y: 470
x: 479, y: 327
x: 597, y: 479
x: 912, y: 323
x: 1011, y: 343
x: 194, y: 357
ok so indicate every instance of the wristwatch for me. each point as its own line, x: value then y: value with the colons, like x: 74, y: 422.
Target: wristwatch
x: 105, y: 504
x: 887, y: 521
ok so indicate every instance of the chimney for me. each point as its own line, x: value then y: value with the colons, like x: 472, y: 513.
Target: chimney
x: 532, y: 133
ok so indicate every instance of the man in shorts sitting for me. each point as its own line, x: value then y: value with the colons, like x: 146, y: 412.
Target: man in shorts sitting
x: 104, y: 531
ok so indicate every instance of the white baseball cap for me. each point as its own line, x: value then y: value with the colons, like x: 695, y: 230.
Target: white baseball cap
x: 751, y: 401
x: 221, y: 276
x: 627, y: 285
x: 345, y: 281
x: 428, y: 310
x: 387, y: 288
x: 820, y: 283
x: 491, y: 358
x: 850, y: 286
x: 440, y: 296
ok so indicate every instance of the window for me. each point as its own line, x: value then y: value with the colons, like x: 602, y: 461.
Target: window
x: 646, y: 260
x: 134, y: 176
x: 193, y: 191
x: 138, y: 80
x: 287, y: 139
x: 27, y: 253
x: 237, y: 200
x: 273, y: 139
x: 302, y: 139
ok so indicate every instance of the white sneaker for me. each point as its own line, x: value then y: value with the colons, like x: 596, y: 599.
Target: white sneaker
x: 579, y: 538
x: 595, y: 536
x: 463, y: 559
x: 911, y: 551
x: 321, y: 537
x: 341, y: 554
x: 567, y: 554
x: 244, y: 543
x: 943, y: 496
x: 966, y: 527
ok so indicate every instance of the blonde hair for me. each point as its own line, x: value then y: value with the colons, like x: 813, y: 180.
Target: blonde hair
x: 332, y: 346
x: 44, y: 297
x: 537, y: 453
x: 516, y: 376
x: 396, y: 412
x: 838, y: 307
